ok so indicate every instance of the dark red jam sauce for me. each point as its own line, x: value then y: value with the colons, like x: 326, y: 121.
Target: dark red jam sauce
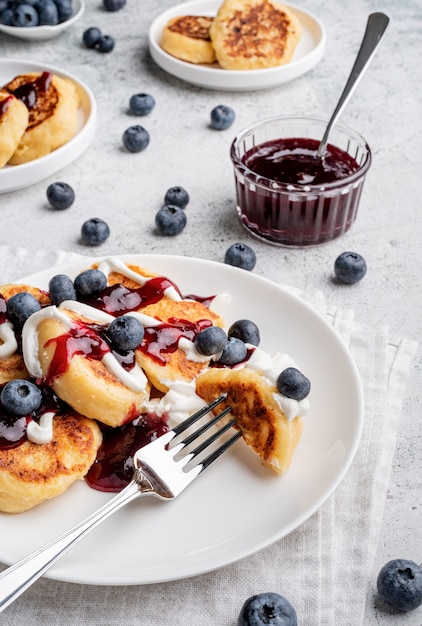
x: 164, y: 338
x: 28, y: 92
x: 113, y: 468
x: 13, y: 427
x: 5, y: 103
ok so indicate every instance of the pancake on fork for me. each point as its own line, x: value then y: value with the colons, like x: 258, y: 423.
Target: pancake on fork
x: 254, y: 34
x: 187, y: 37
x: 52, y: 104
x: 11, y: 361
x: 13, y: 122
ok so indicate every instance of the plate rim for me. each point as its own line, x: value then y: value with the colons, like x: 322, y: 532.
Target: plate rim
x: 67, y: 153
x: 76, y: 266
x: 207, y: 77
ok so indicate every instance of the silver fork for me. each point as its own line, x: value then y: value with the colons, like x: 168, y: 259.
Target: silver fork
x: 160, y: 470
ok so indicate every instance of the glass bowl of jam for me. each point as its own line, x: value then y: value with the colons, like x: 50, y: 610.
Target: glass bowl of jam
x: 286, y: 194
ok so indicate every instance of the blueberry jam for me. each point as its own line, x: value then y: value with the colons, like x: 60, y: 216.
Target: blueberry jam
x: 301, y: 199
x: 28, y: 92
x: 164, y: 338
x: 113, y: 468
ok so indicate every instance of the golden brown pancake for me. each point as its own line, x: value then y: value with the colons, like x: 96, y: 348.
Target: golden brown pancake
x: 13, y: 122
x: 254, y: 34
x: 31, y: 473
x: 52, y: 103
x: 264, y: 426
x: 188, y: 38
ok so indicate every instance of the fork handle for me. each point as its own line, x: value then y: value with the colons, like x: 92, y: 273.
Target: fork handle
x: 17, y: 578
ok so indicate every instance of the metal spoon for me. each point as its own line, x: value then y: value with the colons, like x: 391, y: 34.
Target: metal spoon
x: 375, y: 28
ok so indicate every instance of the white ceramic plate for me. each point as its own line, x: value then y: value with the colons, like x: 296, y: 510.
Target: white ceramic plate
x: 307, y: 54
x: 43, y: 33
x: 13, y: 177
x: 237, y: 506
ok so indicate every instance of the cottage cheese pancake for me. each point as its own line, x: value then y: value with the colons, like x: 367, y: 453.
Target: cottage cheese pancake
x: 52, y: 103
x: 13, y: 122
x: 188, y: 38
x: 254, y: 34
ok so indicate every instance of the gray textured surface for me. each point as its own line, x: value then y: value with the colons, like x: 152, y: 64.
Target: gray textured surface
x: 126, y: 190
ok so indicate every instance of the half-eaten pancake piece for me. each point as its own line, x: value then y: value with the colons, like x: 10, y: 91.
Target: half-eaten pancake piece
x: 13, y: 122
x: 81, y: 369
x: 11, y: 361
x: 52, y: 103
x: 264, y: 426
x: 31, y: 473
x: 188, y: 38
x: 254, y: 34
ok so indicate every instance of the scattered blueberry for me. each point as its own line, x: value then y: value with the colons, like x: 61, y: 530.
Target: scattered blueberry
x: 60, y: 195
x: 141, y: 104
x: 135, y: 138
x: 105, y: 44
x: 90, y: 282
x: 211, y: 340
x: 91, y: 36
x: 240, y: 255
x: 399, y: 583
x: 20, y: 397
x: 114, y: 5
x: 267, y: 608
x: 234, y: 352
x: 245, y: 330
x: 61, y: 288
x: 293, y: 384
x: 170, y: 220
x: 25, y: 16
x: 222, y: 117
x: 20, y: 307
x: 125, y: 333
x: 177, y: 196
x: 48, y: 13
x: 350, y: 267
x: 94, y: 231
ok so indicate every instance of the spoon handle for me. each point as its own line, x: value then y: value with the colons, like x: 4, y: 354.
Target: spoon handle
x: 375, y: 28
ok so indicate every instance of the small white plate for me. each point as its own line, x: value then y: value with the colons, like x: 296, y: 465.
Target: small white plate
x: 43, y: 33
x: 237, y: 506
x: 13, y: 177
x: 307, y: 54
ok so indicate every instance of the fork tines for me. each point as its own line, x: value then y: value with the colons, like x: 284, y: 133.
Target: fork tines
x: 201, y: 447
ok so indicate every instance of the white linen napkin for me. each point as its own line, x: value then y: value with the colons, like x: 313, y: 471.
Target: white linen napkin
x: 323, y: 567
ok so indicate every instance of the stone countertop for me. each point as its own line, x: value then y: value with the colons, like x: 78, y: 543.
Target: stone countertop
x: 127, y: 189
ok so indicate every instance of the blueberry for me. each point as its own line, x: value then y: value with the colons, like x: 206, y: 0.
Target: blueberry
x: 20, y: 397
x: 211, y: 340
x: 240, y: 255
x: 21, y: 306
x: 61, y: 288
x: 245, y: 330
x: 125, y: 333
x: 65, y: 9
x: 141, y: 104
x: 234, y: 352
x: 90, y: 282
x: 91, y: 36
x: 94, y: 231
x: 170, y: 220
x: 135, y: 138
x: 177, y: 196
x: 350, y: 267
x: 293, y: 384
x: 60, y: 195
x: 105, y: 43
x: 267, y: 608
x: 25, y: 16
x: 7, y: 17
x: 399, y: 583
x: 47, y: 13
x: 222, y: 117
x: 114, y: 5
